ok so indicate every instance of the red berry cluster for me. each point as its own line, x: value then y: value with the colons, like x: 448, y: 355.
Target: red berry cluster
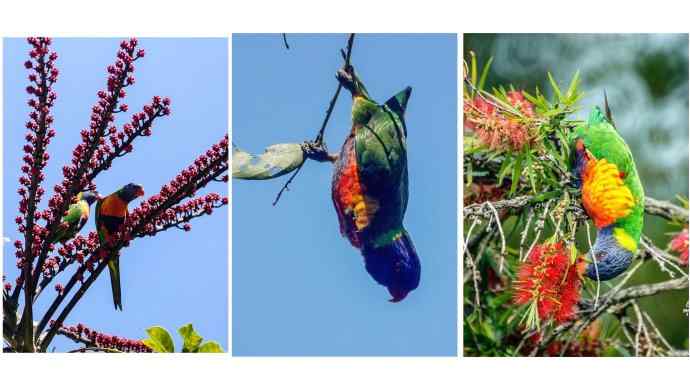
x: 83, y: 334
x: 102, y: 141
x: 496, y: 129
x: 549, y: 279
x: 42, y: 75
x: 163, y: 210
x: 75, y: 250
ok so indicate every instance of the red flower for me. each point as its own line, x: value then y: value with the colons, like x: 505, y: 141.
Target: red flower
x: 679, y: 244
x: 548, y: 279
x: 495, y: 129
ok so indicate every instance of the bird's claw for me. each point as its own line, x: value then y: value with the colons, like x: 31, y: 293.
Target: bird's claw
x: 317, y: 151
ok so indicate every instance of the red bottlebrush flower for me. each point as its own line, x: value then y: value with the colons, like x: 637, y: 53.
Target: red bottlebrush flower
x: 496, y: 129
x: 59, y: 288
x: 550, y: 281
x: 8, y: 286
x: 517, y: 99
x: 679, y: 244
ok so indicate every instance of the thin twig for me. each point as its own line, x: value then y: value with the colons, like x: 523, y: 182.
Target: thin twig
x: 319, y: 137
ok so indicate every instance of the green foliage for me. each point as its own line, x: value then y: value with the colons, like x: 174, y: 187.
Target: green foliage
x: 160, y: 341
x: 542, y: 163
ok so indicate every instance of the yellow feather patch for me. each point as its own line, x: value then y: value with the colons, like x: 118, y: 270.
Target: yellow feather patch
x: 604, y: 195
x: 624, y: 239
x: 364, y: 209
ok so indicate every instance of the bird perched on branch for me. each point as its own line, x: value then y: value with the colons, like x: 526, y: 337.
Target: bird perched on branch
x: 76, y: 217
x: 612, y: 194
x: 370, y: 187
x: 111, y: 213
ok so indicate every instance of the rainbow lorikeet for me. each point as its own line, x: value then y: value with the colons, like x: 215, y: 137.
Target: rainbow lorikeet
x: 111, y: 213
x: 76, y: 217
x: 612, y: 194
x: 370, y: 188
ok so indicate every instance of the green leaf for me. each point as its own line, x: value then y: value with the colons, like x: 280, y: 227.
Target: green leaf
x: 517, y: 171
x: 572, y: 89
x: 159, y: 340
x: 473, y: 64
x: 276, y: 160
x: 504, y: 169
x: 211, y: 347
x: 554, y: 85
x: 191, y: 338
x: 485, y: 73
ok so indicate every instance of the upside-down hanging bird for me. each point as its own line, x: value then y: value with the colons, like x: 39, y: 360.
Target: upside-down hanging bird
x: 111, y: 213
x: 370, y: 188
x: 612, y: 194
x: 76, y: 217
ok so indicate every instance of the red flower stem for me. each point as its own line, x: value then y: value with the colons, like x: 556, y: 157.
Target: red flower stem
x: 59, y: 298
x: 120, y: 150
x: 77, y: 183
x: 177, y: 223
x: 70, y: 305
x: 26, y: 323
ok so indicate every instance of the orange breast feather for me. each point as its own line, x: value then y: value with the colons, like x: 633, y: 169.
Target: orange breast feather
x: 113, y: 206
x: 356, y: 207
x: 605, y: 196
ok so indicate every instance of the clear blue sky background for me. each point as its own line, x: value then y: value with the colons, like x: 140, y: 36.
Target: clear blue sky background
x: 175, y: 277
x: 299, y: 288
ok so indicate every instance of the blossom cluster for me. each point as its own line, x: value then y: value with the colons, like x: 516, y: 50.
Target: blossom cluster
x: 42, y: 75
x: 550, y: 280
x: 82, y: 333
x: 164, y: 210
x: 679, y: 244
x: 102, y: 141
x: 78, y: 250
x: 500, y: 130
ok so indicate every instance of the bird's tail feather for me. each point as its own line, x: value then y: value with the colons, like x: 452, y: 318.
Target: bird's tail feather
x: 114, y: 269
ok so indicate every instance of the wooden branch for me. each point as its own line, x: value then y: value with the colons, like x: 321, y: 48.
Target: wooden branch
x: 665, y: 210
x: 654, y: 207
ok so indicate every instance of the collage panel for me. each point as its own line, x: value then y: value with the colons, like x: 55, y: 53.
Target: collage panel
x: 344, y: 195
x: 115, y: 159
x: 575, y: 204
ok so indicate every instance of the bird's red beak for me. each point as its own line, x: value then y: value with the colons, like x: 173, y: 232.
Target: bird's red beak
x: 140, y: 191
x: 397, y: 295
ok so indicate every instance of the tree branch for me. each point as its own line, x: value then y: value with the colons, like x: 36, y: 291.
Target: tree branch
x: 318, y: 140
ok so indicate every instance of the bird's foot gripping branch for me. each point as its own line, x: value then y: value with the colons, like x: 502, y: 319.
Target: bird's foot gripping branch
x: 553, y: 215
x: 51, y: 243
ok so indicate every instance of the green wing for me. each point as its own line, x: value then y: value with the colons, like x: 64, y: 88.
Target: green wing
x: 381, y: 151
x: 75, y: 220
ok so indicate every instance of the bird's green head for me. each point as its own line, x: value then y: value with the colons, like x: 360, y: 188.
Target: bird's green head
x: 130, y: 191
x: 89, y: 196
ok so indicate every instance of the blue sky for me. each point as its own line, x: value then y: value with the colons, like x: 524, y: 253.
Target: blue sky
x: 299, y: 288
x: 175, y: 277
